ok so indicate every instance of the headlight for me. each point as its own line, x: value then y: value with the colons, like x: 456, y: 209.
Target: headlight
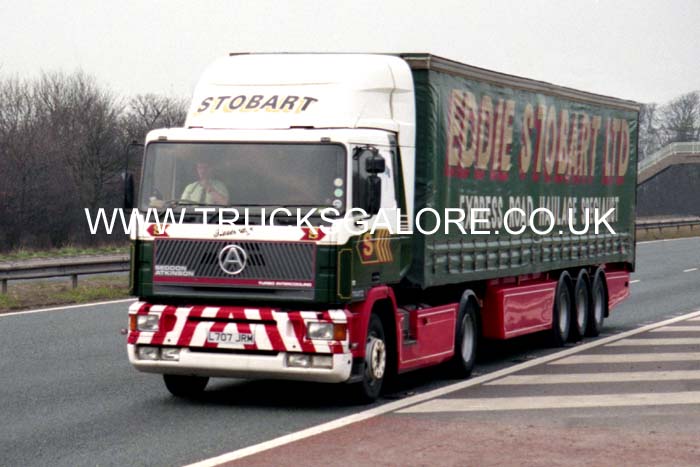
x: 326, y: 331
x: 170, y: 353
x: 298, y: 360
x: 148, y: 353
x: 148, y: 323
x: 321, y: 331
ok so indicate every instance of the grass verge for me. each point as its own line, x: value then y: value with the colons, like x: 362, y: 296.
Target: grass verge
x: 25, y: 295
x: 22, y: 254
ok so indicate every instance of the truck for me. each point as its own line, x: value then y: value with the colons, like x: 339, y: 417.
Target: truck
x: 346, y: 218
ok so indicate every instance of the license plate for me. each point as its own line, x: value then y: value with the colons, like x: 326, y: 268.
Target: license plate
x: 230, y: 338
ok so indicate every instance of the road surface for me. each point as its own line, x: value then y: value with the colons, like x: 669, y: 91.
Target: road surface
x: 69, y: 397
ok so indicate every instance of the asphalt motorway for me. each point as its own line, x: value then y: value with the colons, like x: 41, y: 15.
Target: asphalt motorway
x: 69, y: 397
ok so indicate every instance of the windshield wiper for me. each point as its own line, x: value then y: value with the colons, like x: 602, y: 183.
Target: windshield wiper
x: 173, y: 203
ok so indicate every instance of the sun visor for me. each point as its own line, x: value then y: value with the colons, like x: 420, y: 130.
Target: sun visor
x: 279, y: 91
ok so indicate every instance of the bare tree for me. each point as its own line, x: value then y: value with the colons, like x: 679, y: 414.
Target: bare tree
x: 681, y: 118
x: 650, y: 136
x: 63, y: 141
x: 146, y: 112
x: 83, y: 121
x: 22, y: 166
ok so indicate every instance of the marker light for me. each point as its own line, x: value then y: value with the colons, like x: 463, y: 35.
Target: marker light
x: 326, y: 331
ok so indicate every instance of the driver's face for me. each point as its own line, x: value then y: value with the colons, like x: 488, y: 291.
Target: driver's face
x: 203, y: 171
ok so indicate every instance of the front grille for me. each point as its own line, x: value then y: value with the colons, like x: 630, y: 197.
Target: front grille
x: 280, y: 261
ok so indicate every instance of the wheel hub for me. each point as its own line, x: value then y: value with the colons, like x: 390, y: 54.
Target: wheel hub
x: 376, y: 358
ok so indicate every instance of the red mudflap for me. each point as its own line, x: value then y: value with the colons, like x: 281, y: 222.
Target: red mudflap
x: 618, y: 287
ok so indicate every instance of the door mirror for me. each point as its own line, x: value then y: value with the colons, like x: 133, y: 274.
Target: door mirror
x: 128, y: 192
x: 367, y: 186
x: 375, y: 164
x: 373, y: 195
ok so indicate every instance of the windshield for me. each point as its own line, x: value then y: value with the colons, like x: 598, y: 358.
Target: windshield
x: 244, y: 175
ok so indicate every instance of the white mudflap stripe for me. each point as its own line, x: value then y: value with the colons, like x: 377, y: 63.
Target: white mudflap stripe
x: 598, y: 377
x: 629, y: 358
x: 555, y: 402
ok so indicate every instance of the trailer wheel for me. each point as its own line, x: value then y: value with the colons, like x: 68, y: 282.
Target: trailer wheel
x: 582, y: 305
x: 466, y: 337
x: 599, y: 304
x: 561, y: 314
x: 375, y: 362
x: 185, y: 386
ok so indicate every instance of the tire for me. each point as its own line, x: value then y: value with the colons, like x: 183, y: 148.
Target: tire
x: 582, y: 306
x: 185, y: 386
x: 374, y: 367
x: 561, y: 313
x: 466, y: 338
x: 599, y: 305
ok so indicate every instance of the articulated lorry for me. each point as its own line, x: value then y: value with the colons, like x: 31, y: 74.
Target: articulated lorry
x: 344, y: 218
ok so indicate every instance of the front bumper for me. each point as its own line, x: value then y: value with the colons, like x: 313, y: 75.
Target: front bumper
x: 239, y: 365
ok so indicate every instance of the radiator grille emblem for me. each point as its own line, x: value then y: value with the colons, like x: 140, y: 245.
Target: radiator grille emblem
x: 232, y: 259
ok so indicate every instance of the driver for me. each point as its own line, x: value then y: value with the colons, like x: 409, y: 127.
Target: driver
x: 206, y: 190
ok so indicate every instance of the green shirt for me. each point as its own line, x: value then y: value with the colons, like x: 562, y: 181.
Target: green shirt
x: 196, y: 192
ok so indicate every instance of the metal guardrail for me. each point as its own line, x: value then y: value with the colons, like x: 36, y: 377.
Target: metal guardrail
x: 660, y: 228
x: 670, y: 150
x: 85, y: 265
x: 663, y: 223
x: 61, y: 267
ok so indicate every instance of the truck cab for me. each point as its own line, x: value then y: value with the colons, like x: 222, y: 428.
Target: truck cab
x: 281, y: 161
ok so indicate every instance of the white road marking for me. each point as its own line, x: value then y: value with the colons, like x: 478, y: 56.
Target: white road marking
x: 669, y: 341
x: 409, y: 401
x: 690, y: 270
x: 630, y: 358
x: 666, y: 240
x: 555, y: 402
x: 67, y: 307
x: 621, y: 377
x: 635, y: 281
x: 691, y: 328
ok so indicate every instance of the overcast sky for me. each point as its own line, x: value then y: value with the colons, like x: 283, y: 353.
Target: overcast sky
x: 645, y: 50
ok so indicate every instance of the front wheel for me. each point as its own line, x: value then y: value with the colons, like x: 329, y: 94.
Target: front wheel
x: 466, y: 338
x: 375, y: 365
x: 185, y: 386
